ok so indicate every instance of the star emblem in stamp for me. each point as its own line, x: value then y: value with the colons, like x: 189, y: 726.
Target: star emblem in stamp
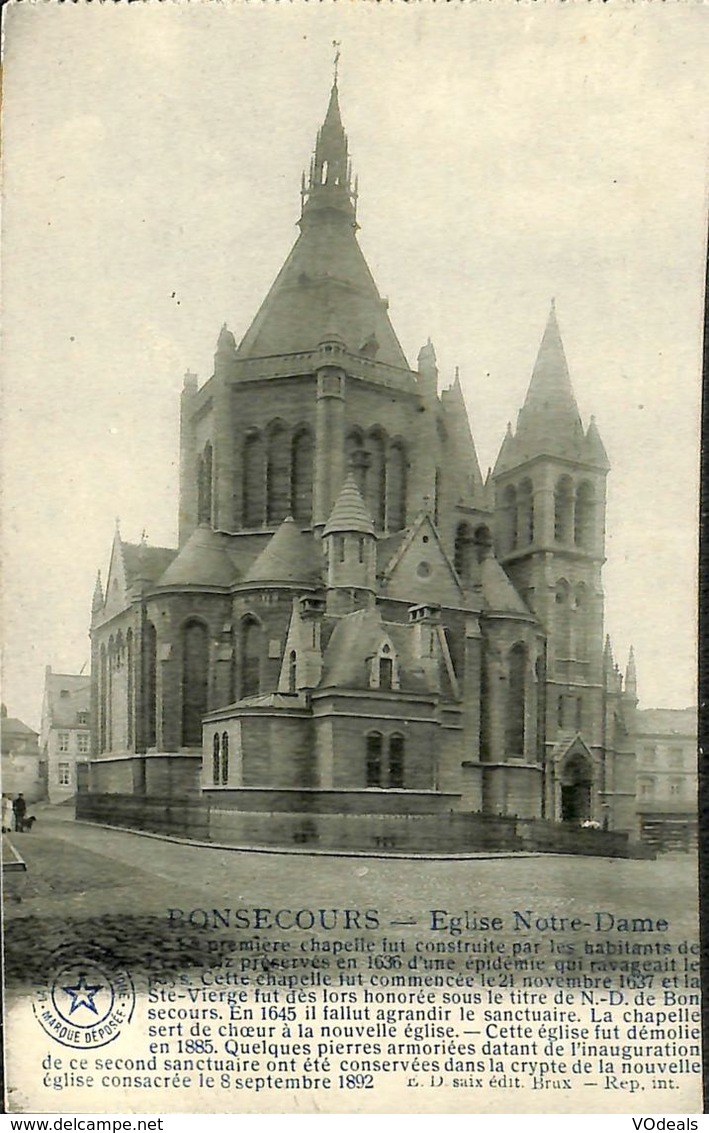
x: 87, y: 997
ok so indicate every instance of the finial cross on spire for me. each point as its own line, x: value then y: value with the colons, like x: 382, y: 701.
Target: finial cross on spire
x: 336, y: 61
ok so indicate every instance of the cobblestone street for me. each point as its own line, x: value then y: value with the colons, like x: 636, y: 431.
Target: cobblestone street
x: 115, y: 887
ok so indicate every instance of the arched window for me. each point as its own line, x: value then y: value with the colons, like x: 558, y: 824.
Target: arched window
x: 356, y: 459
x: 374, y: 760
x: 564, y: 510
x: 482, y: 543
x: 516, y: 700
x: 578, y: 722
x: 463, y: 552
x: 396, y: 761
x: 560, y: 712
x: 562, y: 619
x: 376, y: 477
x: 584, y: 516
x: 302, y: 476
x: 254, y: 480
x: 215, y: 759
x: 386, y: 668
x: 130, y: 685
x: 225, y: 758
x: 277, y: 474
x: 525, y: 509
x: 195, y: 679
x: 360, y: 550
x: 251, y: 648
x: 204, y: 486
x: 102, y: 700
x: 150, y: 659
x: 396, y: 487
x: 292, y: 671
x: 509, y: 519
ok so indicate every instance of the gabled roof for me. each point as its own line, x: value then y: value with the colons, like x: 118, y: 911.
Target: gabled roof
x: 291, y: 555
x: 350, y: 511
x: 12, y: 726
x: 202, y: 561
x: 420, y: 570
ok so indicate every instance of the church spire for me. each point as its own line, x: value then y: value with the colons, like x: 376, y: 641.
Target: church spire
x: 550, y: 406
x: 329, y: 182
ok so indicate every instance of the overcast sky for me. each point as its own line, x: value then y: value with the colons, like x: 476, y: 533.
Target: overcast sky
x: 506, y: 154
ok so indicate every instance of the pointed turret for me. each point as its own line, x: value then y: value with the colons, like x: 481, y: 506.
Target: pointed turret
x: 329, y: 182
x: 595, y: 448
x: 455, y: 414
x: 97, y: 601
x: 631, y: 676
x: 349, y: 515
x: 325, y: 280
x: 350, y: 546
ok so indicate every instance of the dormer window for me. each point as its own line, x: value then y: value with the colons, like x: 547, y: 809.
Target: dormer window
x: 385, y: 672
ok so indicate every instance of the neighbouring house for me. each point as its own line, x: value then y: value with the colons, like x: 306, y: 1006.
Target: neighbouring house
x: 65, y: 730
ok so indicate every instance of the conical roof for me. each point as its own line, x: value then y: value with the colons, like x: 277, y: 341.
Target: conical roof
x: 549, y: 423
x: 289, y: 556
x: 349, y: 512
x: 203, y: 561
x: 325, y: 280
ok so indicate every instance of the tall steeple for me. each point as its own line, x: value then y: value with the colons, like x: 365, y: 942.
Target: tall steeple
x: 549, y: 422
x: 328, y: 185
x: 325, y: 283
x: 550, y: 415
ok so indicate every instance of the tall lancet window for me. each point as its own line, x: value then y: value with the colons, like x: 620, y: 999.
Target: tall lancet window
x: 584, y: 516
x: 396, y: 487
x: 254, y: 480
x: 516, y: 700
x: 376, y: 477
x: 564, y: 510
x: 204, y: 486
x: 302, y: 476
x: 195, y: 681
x: 278, y: 503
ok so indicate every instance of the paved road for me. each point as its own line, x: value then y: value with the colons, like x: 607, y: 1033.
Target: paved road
x: 117, y: 886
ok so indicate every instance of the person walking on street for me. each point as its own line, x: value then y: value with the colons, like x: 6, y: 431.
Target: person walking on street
x: 19, y: 807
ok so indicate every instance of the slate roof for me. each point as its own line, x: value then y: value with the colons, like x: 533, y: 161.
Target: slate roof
x: 291, y: 555
x: 145, y: 562
x: 203, y: 561
x: 350, y: 512
x: 666, y: 721
x: 498, y: 592
x: 325, y: 283
x: 355, y: 641
x: 549, y: 422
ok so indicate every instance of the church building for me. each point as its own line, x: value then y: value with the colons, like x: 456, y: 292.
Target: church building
x: 359, y: 641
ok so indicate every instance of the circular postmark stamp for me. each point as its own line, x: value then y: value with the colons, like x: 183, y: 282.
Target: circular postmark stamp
x: 86, y: 998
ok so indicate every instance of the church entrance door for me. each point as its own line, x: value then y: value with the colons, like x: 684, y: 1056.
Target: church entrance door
x: 576, y: 782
